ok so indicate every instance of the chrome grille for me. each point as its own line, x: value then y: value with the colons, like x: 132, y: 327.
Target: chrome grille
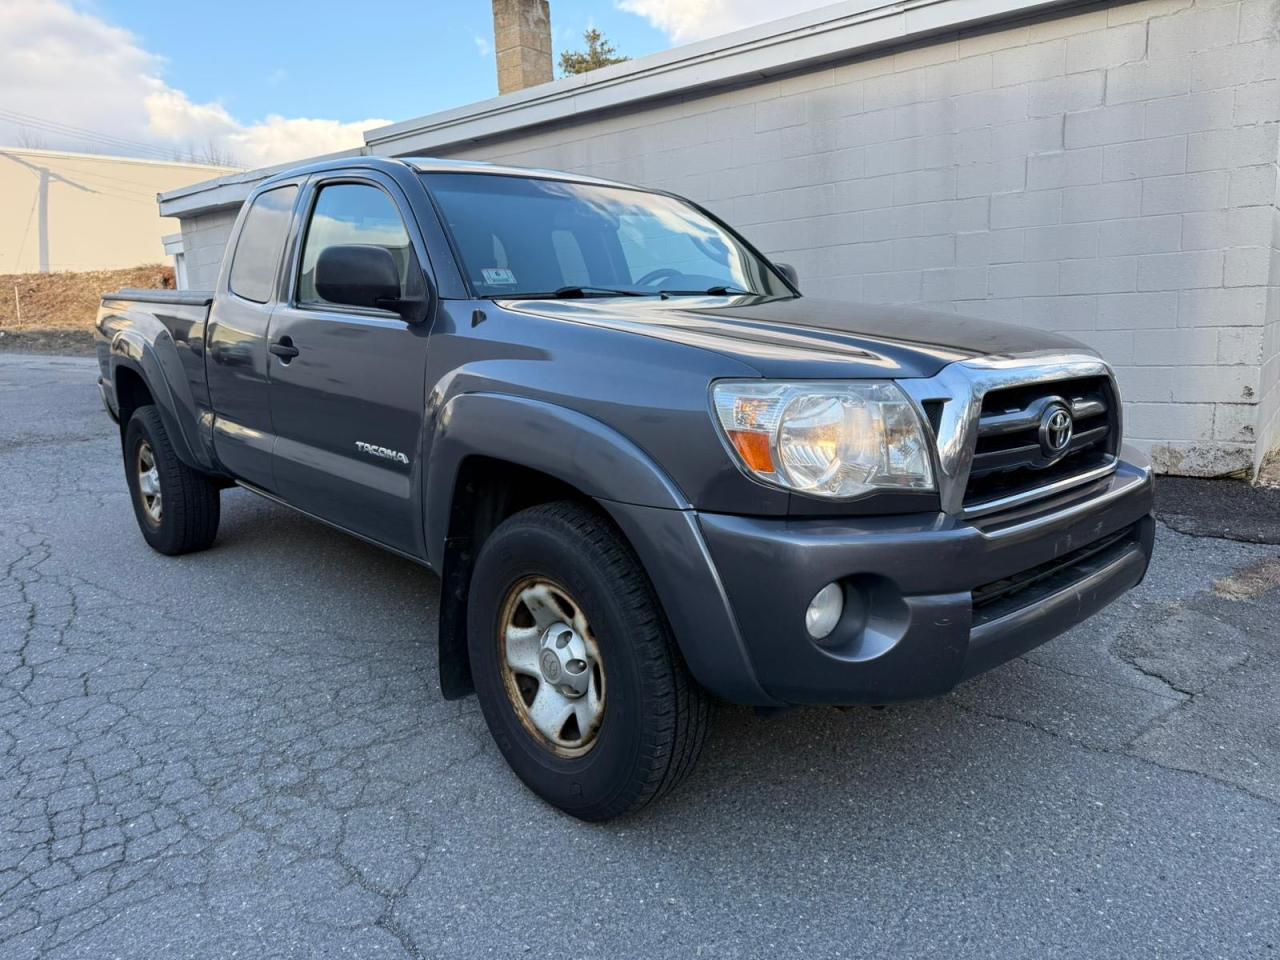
x: 984, y: 412
x: 1013, y: 452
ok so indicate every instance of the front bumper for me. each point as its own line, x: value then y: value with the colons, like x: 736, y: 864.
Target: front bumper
x: 929, y: 601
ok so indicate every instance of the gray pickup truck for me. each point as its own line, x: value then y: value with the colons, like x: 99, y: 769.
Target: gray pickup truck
x: 647, y: 470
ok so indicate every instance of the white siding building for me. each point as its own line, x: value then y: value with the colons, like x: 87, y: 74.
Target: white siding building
x: 1108, y: 171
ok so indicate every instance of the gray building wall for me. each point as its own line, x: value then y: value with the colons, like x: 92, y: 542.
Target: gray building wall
x: 204, y: 239
x: 1110, y: 174
x: 1269, y: 405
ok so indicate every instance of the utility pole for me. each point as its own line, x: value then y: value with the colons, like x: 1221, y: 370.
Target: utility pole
x: 46, y: 176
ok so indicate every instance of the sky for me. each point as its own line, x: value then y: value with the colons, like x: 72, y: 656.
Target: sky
x: 271, y: 81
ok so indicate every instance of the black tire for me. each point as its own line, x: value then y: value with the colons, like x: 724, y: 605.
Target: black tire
x: 189, y: 504
x: 655, y: 716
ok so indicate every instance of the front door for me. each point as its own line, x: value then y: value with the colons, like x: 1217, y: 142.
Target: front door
x: 348, y: 405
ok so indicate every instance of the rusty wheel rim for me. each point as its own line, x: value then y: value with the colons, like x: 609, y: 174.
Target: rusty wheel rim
x: 149, y: 492
x: 552, y: 668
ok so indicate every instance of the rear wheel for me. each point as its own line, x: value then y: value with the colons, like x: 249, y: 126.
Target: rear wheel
x: 577, y: 674
x: 177, y: 507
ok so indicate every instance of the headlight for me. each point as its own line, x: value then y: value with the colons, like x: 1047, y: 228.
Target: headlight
x: 834, y: 439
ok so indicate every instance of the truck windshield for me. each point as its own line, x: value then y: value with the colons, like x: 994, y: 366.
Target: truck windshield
x: 522, y: 237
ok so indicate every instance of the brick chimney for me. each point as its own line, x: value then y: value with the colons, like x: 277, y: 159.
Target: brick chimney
x: 522, y: 43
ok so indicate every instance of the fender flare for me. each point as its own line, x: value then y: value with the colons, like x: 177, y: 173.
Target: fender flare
x: 652, y: 512
x: 161, y: 370
x: 562, y: 443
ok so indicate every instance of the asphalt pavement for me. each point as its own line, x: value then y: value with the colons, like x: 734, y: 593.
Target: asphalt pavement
x: 244, y: 753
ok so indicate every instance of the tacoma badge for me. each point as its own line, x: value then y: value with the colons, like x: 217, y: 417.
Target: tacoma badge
x: 383, y: 452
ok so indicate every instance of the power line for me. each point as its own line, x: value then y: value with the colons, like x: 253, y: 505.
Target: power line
x: 71, y: 164
x: 63, y: 129
x: 93, y: 136
x: 75, y: 167
x: 66, y: 129
x: 111, y: 184
x: 101, y: 186
x: 103, y: 191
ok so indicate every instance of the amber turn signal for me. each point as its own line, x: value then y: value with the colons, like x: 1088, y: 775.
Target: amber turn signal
x: 754, y: 450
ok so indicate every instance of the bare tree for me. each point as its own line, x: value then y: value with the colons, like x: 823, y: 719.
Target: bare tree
x: 30, y: 139
x: 210, y: 153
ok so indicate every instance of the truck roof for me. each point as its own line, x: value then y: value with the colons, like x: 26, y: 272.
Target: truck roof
x: 439, y: 165
x: 435, y: 165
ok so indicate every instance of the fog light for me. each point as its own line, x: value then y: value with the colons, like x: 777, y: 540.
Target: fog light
x: 824, y: 611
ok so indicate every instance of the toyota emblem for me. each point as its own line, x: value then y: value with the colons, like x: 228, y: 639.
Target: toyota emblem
x: 1056, y: 426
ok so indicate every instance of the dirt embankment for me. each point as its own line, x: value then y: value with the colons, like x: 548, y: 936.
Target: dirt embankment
x: 54, y: 312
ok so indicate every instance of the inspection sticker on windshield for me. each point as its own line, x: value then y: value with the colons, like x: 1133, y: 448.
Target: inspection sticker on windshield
x: 498, y: 275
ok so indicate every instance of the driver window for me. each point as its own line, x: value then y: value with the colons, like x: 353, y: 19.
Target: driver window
x: 347, y: 213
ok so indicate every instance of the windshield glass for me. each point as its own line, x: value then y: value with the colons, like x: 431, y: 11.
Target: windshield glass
x: 526, y: 237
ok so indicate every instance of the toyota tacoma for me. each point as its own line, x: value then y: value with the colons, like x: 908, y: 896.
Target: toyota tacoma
x: 649, y: 473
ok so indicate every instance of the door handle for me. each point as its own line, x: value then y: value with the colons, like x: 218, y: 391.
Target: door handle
x: 284, y: 349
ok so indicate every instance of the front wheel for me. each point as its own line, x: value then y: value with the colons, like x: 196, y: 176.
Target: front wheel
x: 577, y: 674
x: 177, y: 507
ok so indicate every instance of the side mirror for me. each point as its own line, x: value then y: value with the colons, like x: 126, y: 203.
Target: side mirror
x: 789, y: 273
x: 362, y: 275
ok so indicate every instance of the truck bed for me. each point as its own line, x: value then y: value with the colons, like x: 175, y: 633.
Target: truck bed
x: 129, y: 323
x: 193, y: 298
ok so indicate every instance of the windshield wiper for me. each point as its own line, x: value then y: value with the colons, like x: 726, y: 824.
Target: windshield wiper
x: 571, y: 292
x: 717, y: 291
x: 568, y: 293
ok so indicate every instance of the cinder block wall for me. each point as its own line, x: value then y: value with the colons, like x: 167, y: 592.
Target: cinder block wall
x: 1269, y: 406
x: 1110, y: 174
x: 204, y: 238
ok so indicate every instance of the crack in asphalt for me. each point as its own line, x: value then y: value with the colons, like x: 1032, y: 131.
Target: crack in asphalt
x: 1182, y: 693
x: 1103, y: 751
x: 1131, y: 687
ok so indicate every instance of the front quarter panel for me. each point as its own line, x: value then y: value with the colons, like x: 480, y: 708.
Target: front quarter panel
x: 650, y: 394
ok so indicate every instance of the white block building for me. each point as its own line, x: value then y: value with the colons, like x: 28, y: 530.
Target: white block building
x: 1108, y: 171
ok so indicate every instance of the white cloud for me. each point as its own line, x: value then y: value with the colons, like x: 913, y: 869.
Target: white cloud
x: 684, y: 21
x: 72, y: 69
x: 483, y: 46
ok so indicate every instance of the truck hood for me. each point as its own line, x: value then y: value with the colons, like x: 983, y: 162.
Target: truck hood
x: 808, y: 337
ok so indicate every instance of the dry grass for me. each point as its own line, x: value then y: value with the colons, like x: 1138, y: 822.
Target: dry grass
x: 68, y: 301
x: 1253, y: 581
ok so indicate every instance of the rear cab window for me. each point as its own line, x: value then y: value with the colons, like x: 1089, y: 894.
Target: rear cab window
x: 256, y: 261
